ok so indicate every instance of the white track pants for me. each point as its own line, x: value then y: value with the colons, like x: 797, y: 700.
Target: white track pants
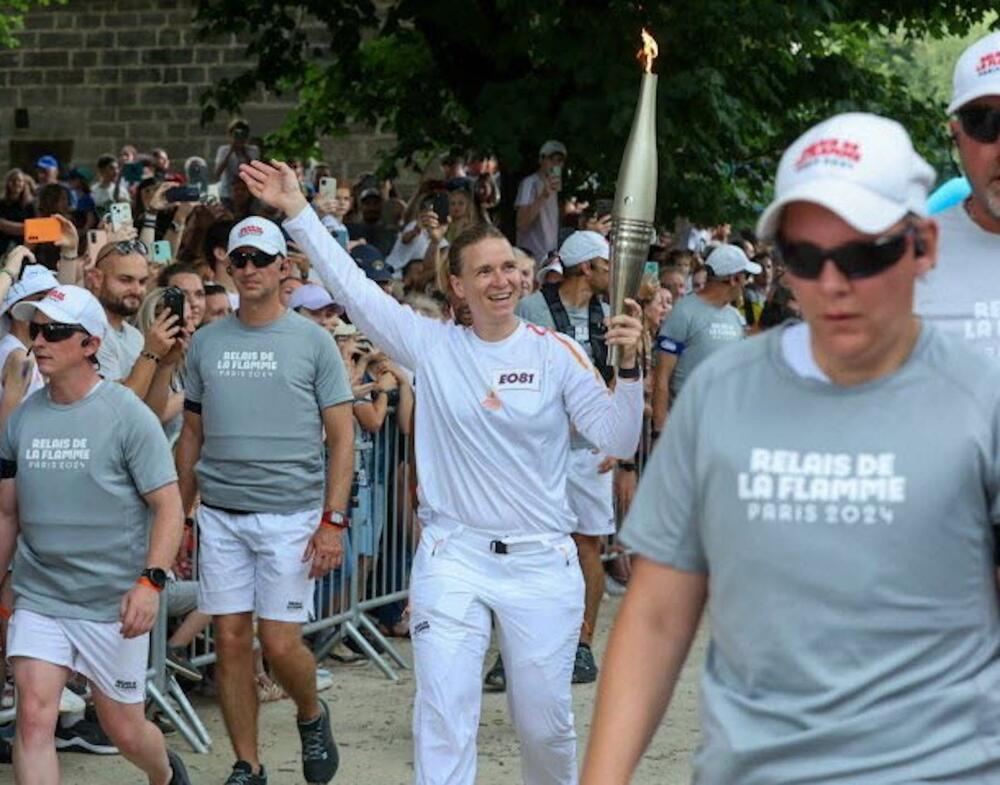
x: 536, y: 593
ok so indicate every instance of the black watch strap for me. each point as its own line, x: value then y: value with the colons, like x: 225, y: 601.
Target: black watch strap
x: 156, y: 576
x: 629, y: 373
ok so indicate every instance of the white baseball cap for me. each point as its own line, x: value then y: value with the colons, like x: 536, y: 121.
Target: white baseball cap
x: 977, y: 72
x: 582, y: 246
x: 311, y: 296
x: 69, y: 305
x: 729, y: 260
x: 553, y: 265
x: 34, y: 279
x: 552, y: 147
x: 258, y: 233
x: 860, y: 166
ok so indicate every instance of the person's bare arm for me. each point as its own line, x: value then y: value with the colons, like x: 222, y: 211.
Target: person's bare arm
x: 527, y: 214
x: 13, y: 228
x: 661, y: 389
x: 187, y: 454
x: 649, y: 643
x: 9, y: 524
x: 140, y: 605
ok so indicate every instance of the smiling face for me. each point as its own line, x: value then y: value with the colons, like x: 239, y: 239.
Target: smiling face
x: 489, y: 281
x: 854, y: 321
x: 121, y: 282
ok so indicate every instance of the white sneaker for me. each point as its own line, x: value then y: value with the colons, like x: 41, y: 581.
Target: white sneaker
x: 613, y: 587
x: 324, y: 679
x: 71, y: 703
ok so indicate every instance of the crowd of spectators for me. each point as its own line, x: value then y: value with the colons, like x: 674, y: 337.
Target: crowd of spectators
x: 161, y: 274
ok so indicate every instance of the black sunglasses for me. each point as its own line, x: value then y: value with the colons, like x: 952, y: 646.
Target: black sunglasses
x: 259, y: 259
x: 859, y: 259
x: 124, y: 248
x: 54, y: 332
x: 982, y: 123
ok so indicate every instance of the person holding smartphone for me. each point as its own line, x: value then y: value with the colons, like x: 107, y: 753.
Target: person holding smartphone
x: 229, y: 156
x: 496, y: 403
x: 537, y: 202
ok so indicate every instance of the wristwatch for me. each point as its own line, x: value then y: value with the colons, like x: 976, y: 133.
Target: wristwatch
x: 629, y: 373
x: 154, y: 577
x: 335, y: 518
x: 627, y: 466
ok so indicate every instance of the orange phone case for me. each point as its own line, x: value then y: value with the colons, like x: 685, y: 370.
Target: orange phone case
x: 42, y: 230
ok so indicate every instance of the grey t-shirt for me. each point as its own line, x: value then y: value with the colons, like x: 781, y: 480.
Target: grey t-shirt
x: 118, y: 352
x: 962, y: 293
x: 847, y: 534
x: 542, y: 235
x: 534, y: 309
x: 262, y: 391
x: 82, y: 470
x: 694, y: 330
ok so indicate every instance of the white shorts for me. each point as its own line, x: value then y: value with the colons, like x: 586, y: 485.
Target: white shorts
x: 253, y: 562
x: 591, y: 495
x: 96, y: 649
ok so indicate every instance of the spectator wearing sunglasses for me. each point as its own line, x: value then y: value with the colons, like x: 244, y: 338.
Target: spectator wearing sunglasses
x: 700, y: 325
x: 89, y: 496
x: 272, y: 517
x: 143, y: 363
x: 962, y: 293
x: 843, y: 532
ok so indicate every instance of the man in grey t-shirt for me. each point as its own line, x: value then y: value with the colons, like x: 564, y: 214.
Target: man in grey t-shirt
x: 962, y: 293
x: 144, y: 364
x: 261, y: 387
x: 575, y: 307
x: 90, y: 497
x: 842, y: 537
x: 700, y: 325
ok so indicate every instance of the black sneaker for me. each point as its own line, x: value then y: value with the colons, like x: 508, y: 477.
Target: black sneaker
x: 496, y: 677
x: 84, y: 736
x: 320, y: 758
x: 242, y: 774
x: 181, y: 665
x: 179, y: 775
x: 584, y: 668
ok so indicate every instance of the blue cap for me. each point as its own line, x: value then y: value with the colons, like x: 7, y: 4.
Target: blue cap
x: 47, y: 162
x: 371, y: 261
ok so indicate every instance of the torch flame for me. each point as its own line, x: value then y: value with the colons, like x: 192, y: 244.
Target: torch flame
x: 649, y: 52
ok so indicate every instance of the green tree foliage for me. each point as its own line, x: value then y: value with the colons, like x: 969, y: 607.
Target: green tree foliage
x: 739, y: 79
x: 12, y: 18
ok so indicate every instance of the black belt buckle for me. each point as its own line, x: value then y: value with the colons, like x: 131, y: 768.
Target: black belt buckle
x: 498, y: 546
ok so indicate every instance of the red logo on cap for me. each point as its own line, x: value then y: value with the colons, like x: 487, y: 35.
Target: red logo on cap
x: 55, y: 294
x: 251, y: 229
x: 838, y: 152
x: 988, y: 64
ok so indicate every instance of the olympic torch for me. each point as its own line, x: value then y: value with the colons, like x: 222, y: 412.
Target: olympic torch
x: 635, y: 192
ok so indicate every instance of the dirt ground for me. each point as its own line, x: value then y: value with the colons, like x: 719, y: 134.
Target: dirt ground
x: 371, y: 717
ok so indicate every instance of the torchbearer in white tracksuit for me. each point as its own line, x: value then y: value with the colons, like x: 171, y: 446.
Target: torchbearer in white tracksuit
x: 495, y: 404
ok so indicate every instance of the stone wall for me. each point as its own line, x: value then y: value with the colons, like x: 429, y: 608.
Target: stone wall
x: 92, y: 76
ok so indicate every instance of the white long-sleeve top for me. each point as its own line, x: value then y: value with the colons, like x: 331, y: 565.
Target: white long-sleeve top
x: 492, y: 418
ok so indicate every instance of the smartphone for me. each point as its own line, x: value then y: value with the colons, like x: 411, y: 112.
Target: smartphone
x: 651, y: 268
x: 556, y: 171
x: 132, y: 172
x: 173, y: 299
x: 603, y: 207
x: 42, y: 230
x: 162, y: 252
x: 328, y: 187
x: 182, y: 193
x: 120, y: 215
x: 439, y: 205
x: 96, y: 240
x: 342, y: 236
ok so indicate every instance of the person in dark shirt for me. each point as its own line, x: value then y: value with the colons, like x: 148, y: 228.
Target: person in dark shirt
x: 15, y: 206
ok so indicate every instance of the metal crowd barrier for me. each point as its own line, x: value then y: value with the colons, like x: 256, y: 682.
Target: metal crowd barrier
x: 372, y: 581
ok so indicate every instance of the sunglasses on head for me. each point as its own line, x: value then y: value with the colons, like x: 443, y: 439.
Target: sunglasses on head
x: 259, y: 259
x: 981, y: 123
x: 54, y: 332
x: 125, y: 247
x: 860, y: 259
